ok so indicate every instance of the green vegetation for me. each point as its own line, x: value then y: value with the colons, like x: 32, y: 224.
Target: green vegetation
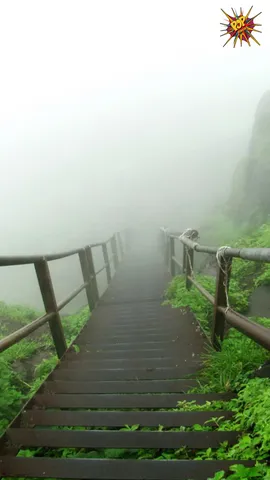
x: 25, y: 365
x: 219, y: 229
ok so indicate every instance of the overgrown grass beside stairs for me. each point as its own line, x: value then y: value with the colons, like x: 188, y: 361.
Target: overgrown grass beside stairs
x: 25, y: 365
x: 231, y: 368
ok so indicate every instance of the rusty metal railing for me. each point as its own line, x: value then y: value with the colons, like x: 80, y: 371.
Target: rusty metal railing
x: 222, y: 312
x: 52, y: 308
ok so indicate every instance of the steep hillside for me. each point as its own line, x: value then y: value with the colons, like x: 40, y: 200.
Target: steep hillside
x: 249, y: 201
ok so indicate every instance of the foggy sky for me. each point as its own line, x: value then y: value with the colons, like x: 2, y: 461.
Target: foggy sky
x: 113, y: 112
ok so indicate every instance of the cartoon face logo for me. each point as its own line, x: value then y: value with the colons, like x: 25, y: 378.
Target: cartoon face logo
x: 240, y: 27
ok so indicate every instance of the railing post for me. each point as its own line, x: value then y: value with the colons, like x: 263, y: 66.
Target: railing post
x: 121, y: 246
x: 114, y: 251
x: 172, y: 254
x: 87, y: 278
x: 162, y: 243
x: 222, y: 287
x: 167, y: 251
x: 49, y: 300
x: 189, y: 254
x: 107, y: 262
x: 184, y: 259
x: 92, y: 273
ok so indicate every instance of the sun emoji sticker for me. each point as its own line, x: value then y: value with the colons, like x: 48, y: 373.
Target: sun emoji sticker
x: 240, y: 27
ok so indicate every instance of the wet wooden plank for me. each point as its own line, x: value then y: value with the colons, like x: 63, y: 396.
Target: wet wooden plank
x: 120, y: 345
x: 120, y: 419
x: 29, y: 437
x: 120, y: 354
x: 114, y: 469
x: 125, y: 374
x: 165, y: 386
x: 122, y: 401
x: 129, y: 338
x: 83, y: 364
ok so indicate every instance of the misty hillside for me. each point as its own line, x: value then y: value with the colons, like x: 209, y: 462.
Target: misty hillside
x: 249, y: 201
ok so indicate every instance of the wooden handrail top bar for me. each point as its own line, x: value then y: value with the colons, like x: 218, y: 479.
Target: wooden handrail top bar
x: 252, y: 254
x: 13, y: 260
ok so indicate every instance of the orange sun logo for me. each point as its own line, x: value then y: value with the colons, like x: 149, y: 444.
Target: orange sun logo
x: 240, y: 27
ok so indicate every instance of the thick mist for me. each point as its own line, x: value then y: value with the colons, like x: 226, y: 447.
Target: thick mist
x: 115, y: 114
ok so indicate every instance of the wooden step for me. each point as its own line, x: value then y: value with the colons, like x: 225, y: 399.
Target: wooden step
x: 124, y: 374
x: 120, y: 419
x: 105, y: 345
x: 121, y: 354
x: 114, y: 469
x: 129, y: 338
x: 33, y: 437
x: 114, y: 363
x: 144, y: 386
x: 123, y: 401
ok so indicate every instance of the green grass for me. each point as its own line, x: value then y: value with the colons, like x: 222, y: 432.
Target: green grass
x: 37, y: 354
x: 21, y: 313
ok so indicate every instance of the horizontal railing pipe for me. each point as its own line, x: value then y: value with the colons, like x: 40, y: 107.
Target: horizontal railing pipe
x: 202, y: 290
x: 255, y: 331
x: 98, y: 244
x: 177, y: 262
x: 101, y: 269
x: 71, y: 296
x: 23, y: 332
x: 252, y: 254
x: 13, y: 260
x: 10, y: 261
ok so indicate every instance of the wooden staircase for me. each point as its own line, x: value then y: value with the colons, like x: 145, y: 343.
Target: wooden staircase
x: 132, y: 365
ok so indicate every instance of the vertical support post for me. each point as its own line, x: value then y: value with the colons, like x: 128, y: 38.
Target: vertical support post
x: 167, y: 250
x: 121, y: 246
x: 222, y: 286
x: 162, y: 243
x: 114, y: 251
x: 92, y: 273
x: 189, y: 266
x: 86, y: 278
x: 172, y: 254
x: 107, y: 262
x: 184, y: 258
x: 49, y: 300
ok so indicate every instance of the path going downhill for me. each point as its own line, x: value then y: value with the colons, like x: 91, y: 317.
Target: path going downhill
x: 132, y: 365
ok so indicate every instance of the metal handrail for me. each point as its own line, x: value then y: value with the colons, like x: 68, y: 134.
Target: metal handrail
x: 252, y: 254
x: 46, y: 288
x: 13, y: 260
x: 222, y: 312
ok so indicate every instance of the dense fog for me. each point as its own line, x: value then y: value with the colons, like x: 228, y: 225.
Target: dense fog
x: 116, y: 113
